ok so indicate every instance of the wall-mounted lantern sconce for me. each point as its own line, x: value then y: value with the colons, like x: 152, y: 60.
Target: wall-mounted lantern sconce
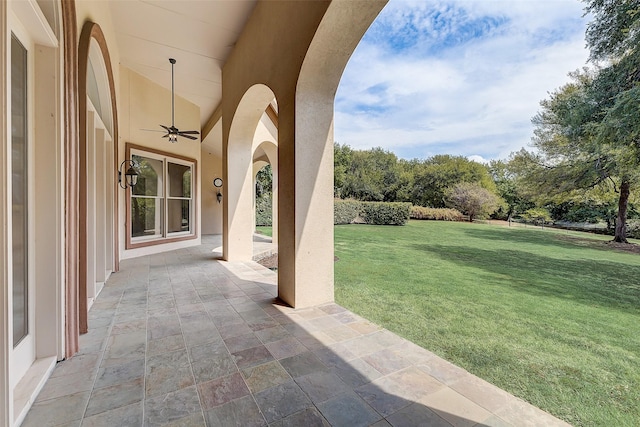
x: 218, y: 183
x: 130, y: 176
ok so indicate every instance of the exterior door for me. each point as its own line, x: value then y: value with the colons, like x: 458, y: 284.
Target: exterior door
x: 23, y: 310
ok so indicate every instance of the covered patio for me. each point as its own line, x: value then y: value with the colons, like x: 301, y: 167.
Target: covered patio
x: 118, y: 308
x: 184, y: 339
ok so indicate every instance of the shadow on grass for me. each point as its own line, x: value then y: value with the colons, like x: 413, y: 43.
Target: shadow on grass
x: 537, y: 236
x: 595, y: 283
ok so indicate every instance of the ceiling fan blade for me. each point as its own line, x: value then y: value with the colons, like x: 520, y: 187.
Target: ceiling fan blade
x: 152, y: 130
x: 165, y: 128
x: 165, y: 136
x: 191, y: 132
x: 186, y: 136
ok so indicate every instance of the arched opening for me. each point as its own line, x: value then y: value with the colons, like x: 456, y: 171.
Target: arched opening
x: 266, y: 154
x: 98, y: 244
x: 303, y: 71
x: 265, y: 178
x: 238, y: 150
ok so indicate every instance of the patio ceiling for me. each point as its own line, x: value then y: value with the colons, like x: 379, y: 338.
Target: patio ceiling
x: 198, y: 34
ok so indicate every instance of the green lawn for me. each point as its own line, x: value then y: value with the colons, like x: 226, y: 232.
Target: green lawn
x: 267, y: 231
x: 552, y: 317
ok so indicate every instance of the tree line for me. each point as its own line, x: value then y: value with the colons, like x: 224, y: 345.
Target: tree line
x: 518, y: 187
x: 437, y: 182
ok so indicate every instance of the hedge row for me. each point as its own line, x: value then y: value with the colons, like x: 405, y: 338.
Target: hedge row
x: 440, y: 214
x: 346, y: 211
x: 377, y: 213
x: 633, y: 229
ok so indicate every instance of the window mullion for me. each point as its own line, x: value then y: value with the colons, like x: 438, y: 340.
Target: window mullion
x: 165, y: 201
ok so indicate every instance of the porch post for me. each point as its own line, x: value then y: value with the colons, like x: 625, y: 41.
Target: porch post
x: 305, y: 211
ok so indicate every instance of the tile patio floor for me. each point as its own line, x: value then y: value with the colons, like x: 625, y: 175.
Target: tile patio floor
x: 180, y: 339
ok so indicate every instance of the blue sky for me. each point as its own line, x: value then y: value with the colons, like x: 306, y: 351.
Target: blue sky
x: 460, y: 77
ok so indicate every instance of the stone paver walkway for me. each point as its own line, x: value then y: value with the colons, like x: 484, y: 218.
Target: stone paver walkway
x: 181, y: 339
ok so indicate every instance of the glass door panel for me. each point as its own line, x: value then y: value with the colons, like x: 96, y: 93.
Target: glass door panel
x: 19, y: 190
x: 147, y: 209
x: 179, y: 198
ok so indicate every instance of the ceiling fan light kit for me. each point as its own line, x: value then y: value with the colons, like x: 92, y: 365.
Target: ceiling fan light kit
x: 172, y: 131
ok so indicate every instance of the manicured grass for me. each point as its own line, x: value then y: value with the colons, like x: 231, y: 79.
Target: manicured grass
x: 267, y: 231
x: 552, y: 317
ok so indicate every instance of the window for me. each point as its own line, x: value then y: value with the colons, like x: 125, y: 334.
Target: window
x: 161, y: 204
x: 20, y: 190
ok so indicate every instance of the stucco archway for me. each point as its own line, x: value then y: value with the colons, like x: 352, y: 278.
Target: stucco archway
x: 302, y: 61
x: 70, y: 138
x: 341, y: 29
x: 93, y: 57
x: 238, y: 193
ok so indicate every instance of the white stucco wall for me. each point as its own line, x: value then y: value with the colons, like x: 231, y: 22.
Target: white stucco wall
x: 211, y: 209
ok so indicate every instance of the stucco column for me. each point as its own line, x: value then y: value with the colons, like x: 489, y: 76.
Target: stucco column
x: 237, y: 227
x: 237, y: 217
x: 91, y: 198
x: 305, y: 203
x: 298, y: 50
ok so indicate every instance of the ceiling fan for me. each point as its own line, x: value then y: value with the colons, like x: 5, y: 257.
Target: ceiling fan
x: 172, y: 131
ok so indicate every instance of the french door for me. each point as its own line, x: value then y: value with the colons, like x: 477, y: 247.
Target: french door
x: 22, y: 291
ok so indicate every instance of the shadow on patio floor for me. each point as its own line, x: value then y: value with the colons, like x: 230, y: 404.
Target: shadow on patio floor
x: 183, y: 339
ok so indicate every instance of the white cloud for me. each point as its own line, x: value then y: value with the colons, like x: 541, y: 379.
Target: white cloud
x: 478, y: 159
x: 473, y: 95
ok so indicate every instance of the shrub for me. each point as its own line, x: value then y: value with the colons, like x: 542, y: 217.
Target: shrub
x: 263, y: 211
x: 377, y: 213
x: 264, y: 197
x: 436, y: 214
x: 346, y: 211
x: 633, y: 229
x: 383, y: 213
x: 537, y: 216
x: 473, y: 200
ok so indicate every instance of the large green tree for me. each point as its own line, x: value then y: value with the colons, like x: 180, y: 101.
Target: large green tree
x: 587, y: 131
x: 613, y: 37
x: 614, y: 31
x: 368, y: 175
x: 512, y: 186
x: 434, y: 177
x: 342, y: 155
x: 574, y: 152
x: 530, y: 180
